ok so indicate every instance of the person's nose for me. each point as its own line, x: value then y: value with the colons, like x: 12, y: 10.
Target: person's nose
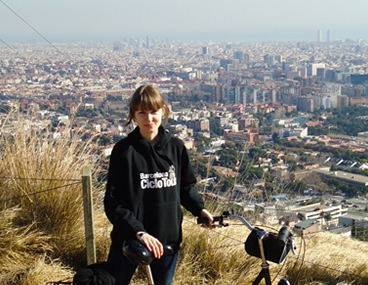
x: 149, y: 117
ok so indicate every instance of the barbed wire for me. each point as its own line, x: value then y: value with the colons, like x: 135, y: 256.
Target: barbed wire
x: 40, y: 179
x: 38, y: 192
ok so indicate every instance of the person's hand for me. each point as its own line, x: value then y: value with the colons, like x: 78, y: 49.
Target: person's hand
x: 152, y: 243
x: 205, y: 214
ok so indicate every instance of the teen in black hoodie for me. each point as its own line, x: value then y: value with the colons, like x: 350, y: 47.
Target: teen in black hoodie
x: 149, y: 178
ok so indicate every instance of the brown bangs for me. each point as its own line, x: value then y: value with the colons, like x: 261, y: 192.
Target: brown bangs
x: 147, y: 102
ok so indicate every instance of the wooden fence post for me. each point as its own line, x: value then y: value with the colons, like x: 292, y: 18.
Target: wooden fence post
x: 88, y: 215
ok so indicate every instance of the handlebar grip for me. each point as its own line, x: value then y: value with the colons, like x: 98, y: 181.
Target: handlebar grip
x: 205, y: 220
x: 284, y: 234
x: 202, y: 221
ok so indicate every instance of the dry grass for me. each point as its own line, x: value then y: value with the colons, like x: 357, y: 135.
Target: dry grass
x: 331, y: 259
x: 19, y: 243
x: 38, y: 271
x: 24, y: 253
x: 44, y: 175
x: 42, y: 193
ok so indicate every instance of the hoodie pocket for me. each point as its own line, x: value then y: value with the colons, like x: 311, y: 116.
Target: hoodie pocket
x: 164, y: 222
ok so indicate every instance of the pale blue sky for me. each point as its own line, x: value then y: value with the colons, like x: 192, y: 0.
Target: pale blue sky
x: 216, y: 20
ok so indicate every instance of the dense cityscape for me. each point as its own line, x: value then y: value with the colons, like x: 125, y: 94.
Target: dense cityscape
x: 277, y: 103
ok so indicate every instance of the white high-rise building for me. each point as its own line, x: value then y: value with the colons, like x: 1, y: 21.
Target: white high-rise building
x: 320, y: 100
x: 255, y: 100
x: 332, y: 88
x: 273, y: 96
x: 319, y: 36
x: 312, y: 68
x: 329, y: 39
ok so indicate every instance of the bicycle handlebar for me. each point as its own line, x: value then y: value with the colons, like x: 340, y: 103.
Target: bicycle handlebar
x: 282, y: 236
x: 268, y: 246
x: 228, y: 215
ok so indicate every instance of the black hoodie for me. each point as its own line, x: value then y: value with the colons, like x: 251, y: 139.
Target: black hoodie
x: 146, y: 186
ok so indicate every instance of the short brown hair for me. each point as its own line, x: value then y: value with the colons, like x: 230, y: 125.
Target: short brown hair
x: 146, y: 98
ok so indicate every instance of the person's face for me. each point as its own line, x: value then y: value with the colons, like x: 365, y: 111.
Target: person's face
x: 149, y: 122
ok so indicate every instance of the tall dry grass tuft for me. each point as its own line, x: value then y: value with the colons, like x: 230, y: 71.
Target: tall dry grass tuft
x: 42, y: 176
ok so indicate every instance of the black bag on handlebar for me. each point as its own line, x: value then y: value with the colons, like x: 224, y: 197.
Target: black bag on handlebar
x: 274, y: 252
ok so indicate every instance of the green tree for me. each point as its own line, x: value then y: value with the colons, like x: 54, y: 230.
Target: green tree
x: 256, y: 153
x: 104, y: 140
x: 255, y: 172
x: 215, y: 127
x: 201, y: 142
x: 275, y: 138
x: 317, y: 131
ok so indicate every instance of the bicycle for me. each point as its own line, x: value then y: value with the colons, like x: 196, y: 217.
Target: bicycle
x: 268, y: 246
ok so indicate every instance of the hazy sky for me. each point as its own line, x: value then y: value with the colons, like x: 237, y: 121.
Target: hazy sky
x: 216, y: 20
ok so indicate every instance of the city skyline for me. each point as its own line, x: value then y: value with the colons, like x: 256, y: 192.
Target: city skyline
x: 204, y: 20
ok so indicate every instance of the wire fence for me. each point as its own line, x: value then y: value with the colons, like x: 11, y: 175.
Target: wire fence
x: 76, y: 181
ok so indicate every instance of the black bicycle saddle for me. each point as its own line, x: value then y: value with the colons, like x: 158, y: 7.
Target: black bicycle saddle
x: 137, y: 252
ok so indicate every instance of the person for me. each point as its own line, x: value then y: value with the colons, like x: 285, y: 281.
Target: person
x: 149, y: 178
